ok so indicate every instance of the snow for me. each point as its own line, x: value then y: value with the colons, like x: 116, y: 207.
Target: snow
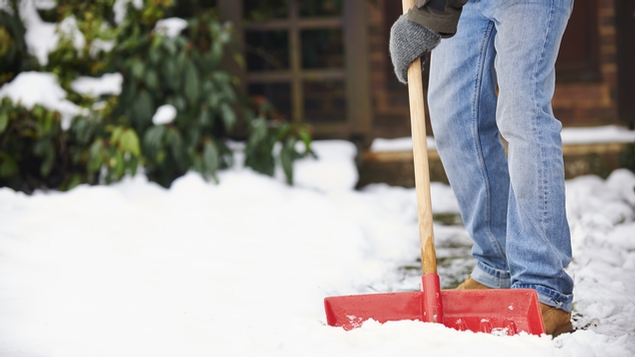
x: 165, y: 114
x: 570, y: 136
x: 398, y: 144
x: 334, y: 159
x: 42, y: 37
x: 119, y: 8
x: 170, y: 27
x: 109, y: 83
x: 48, y: 94
x: 241, y: 268
x: 597, y: 135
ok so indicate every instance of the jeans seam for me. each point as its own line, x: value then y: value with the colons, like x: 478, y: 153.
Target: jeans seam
x: 543, y: 186
x: 479, y: 149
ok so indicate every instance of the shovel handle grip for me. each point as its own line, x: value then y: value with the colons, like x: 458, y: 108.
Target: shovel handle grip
x: 421, y: 167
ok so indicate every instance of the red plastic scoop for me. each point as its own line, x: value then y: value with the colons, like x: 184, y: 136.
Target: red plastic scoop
x: 505, y: 312
x: 499, y: 311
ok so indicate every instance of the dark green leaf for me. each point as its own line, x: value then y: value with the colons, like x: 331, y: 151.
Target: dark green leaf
x: 169, y: 45
x: 287, y: 157
x: 94, y: 156
x: 258, y: 130
x: 191, y: 84
x: 47, y: 164
x: 197, y: 163
x: 132, y: 164
x: 156, y: 43
x: 41, y: 147
x: 217, y: 54
x: 210, y: 159
x: 152, y: 80
x: 130, y: 142
x: 181, y: 62
x: 228, y: 115
x: 73, y: 182
x: 137, y: 69
x: 177, y: 148
x: 170, y: 73
x: 143, y: 109
x: 4, y: 121
x: 8, y: 166
x: 204, y: 118
x: 115, y: 136
x: 153, y: 137
x: 222, y: 77
x: 213, y: 100
x: 119, y: 168
x: 160, y: 157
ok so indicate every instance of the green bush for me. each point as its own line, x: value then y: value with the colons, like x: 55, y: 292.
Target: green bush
x: 14, y: 56
x: 187, y: 72
x: 37, y: 154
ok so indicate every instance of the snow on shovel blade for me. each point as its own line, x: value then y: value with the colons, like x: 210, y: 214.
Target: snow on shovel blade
x: 351, y: 311
x: 499, y: 311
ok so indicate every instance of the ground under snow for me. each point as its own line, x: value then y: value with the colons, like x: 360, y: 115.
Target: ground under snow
x: 241, y: 268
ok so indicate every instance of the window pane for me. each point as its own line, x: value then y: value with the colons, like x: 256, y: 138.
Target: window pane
x: 319, y: 8
x: 267, y: 50
x: 278, y: 94
x: 324, y: 102
x: 262, y: 10
x: 322, y: 48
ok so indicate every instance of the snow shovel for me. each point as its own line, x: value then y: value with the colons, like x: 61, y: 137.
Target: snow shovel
x: 496, y: 311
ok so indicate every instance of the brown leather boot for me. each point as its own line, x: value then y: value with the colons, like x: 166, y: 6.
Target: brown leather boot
x: 471, y: 284
x: 556, y: 321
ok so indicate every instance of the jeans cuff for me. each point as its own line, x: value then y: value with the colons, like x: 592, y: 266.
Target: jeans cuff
x: 550, y: 297
x: 491, y: 277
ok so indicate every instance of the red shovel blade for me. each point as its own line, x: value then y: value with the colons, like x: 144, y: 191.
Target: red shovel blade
x: 498, y: 311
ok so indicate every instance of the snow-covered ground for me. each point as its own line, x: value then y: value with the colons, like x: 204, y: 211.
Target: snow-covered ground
x: 241, y: 268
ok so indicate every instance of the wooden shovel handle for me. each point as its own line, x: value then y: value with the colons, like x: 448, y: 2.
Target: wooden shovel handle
x: 422, y: 170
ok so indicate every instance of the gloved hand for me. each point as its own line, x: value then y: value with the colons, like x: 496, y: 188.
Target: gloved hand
x: 408, y: 42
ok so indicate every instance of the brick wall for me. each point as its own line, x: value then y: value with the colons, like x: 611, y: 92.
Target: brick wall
x: 576, y: 103
x: 594, y: 102
x: 390, y: 98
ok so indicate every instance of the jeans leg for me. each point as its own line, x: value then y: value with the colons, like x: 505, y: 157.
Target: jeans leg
x: 538, y: 238
x: 462, y: 102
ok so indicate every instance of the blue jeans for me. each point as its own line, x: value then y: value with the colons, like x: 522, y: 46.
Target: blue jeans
x: 512, y: 205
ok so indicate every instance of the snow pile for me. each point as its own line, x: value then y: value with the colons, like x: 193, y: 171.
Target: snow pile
x: 109, y: 83
x: 165, y: 114
x: 335, y: 157
x: 602, y: 217
x: 31, y: 88
x: 42, y: 37
x: 241, y: 268
x: 170, y: 27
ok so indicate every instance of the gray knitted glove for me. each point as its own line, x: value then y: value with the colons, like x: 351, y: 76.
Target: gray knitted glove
x: 409, y: 41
